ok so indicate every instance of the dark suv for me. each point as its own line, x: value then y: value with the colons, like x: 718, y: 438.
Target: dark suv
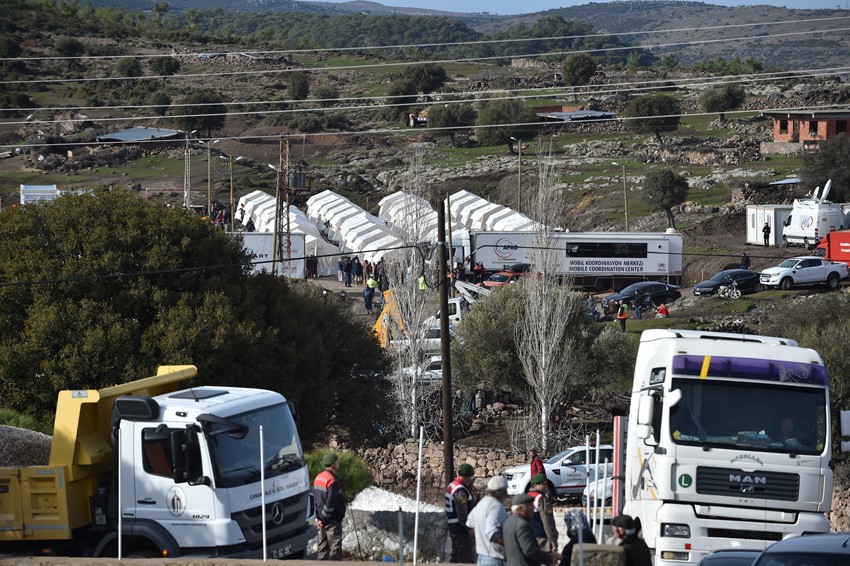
x: 809, y: 550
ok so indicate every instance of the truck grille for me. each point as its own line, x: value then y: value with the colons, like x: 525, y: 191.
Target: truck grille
x: 756, y: 485
x: 283, y: 519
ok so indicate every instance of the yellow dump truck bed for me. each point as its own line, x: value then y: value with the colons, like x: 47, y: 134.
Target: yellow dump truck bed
x: 50, y: 502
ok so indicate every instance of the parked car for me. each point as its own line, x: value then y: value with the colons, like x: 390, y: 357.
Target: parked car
x: 730, y: 557
x: 656, y: 291
x: 747, y: 281
x: 809, y: 550
x: 502, y: 278
x: 566, y: 471
x: 430, y: 371
x: 805, y: 270
x: 428, y: 337
x: 606, y: 488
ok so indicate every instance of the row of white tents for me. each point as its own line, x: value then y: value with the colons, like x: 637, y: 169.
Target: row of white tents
x: 479, y: 214
x: 334, y: 226
x: 356, y: 231
x: 259, y: 208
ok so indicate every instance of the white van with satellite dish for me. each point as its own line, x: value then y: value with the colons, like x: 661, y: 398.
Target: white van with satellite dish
x: 812, y: 217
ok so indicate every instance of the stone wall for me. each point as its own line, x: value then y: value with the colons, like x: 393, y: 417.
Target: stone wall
x: 394, y: 469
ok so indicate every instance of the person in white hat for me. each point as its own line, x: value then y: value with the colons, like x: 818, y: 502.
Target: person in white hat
x: 486, y: 519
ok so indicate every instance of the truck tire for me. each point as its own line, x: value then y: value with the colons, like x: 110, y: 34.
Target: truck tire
x: 806, y: 243
x: 758, y: 288
x: 784, y: 240
x: 833, y: 281
x: 785, y: 284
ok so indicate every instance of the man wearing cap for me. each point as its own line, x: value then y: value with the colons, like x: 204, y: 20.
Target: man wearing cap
x: 521, y: 548
x: 486, y: 520
x: 543, y: 521
x: 459, y: 502
x: 637, y: 553
x: 330, y: 509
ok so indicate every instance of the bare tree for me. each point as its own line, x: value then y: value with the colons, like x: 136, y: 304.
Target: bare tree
x: 418, y: 401
x: 549, y: 306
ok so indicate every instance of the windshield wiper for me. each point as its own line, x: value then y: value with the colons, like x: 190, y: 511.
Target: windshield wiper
x: 286, y: 463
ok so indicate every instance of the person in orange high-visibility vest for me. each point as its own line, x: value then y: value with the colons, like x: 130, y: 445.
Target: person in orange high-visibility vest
x: 623, y: 314
x: 330, y: 509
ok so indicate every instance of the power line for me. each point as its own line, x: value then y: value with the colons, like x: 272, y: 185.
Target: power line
x: 425, y: 62
x: 428, y: 45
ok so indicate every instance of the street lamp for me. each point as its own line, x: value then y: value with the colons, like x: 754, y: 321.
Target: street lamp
x: 209, y: 145
x: 519, y: 175
x: 625, y: 194
x: 230, y: 161
x: 187, y: 174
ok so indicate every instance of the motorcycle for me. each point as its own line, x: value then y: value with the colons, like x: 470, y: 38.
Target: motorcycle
x: 729, y: 290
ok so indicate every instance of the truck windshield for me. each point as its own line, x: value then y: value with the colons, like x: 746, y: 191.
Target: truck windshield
x: 763, y: 417
x: 237, y: 460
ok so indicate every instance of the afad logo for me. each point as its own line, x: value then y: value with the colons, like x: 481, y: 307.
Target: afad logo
x: 806, y: 222
x: 505, y: 248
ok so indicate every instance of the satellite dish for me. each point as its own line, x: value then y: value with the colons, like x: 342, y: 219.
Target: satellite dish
x: 826, y: 189
x: 815, y: 192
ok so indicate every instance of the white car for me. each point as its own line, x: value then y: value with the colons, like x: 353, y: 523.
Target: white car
x: 431, y: 370
x: 805, y: 270
x: 567, y: 472
x: 605, y: 488
x: 428, y: 339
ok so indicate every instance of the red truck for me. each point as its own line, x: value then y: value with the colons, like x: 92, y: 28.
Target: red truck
x: 835, y: 246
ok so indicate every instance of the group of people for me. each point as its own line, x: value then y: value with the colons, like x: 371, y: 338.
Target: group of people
x: 528, y: 535
x: 481, y: 531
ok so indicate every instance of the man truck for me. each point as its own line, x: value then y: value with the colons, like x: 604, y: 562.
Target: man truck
x: 179, y: 471
x: 727, y: 444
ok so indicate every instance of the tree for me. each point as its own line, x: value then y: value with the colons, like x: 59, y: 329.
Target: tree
x: 326, y: 94
x: 201, y: 111
x: 665, y: 189
x: 454, y: 116
x: 128, y: 67
x: 722, y: 98
x: 427, y: 78
x: 830, y: 161
x: 164, y: 66
x: 134, y: 286
x: 500, y: 120
x: 578, y: 69
x: 654, y: 113
x: 70, y: 47
x: 298, y: 87
x: 400, y: 96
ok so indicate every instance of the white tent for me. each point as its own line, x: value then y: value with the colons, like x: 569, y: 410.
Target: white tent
x: 458, y: 202
x: 497, y: 217
x: 478, y: 219
x: 340, y: 215
x: 251, y: 201
x: 315, y: 202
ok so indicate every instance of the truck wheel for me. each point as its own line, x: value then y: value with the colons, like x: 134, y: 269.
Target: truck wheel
x: 806, y: 243
x: 758, y: 288
x: 785, y: 284
x: 832, y: 281
x: 785, y: 240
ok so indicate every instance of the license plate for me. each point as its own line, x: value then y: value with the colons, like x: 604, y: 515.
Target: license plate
x: 280, y: 552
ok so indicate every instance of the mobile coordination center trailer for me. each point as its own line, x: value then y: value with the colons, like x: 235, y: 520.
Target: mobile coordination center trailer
x: 595, y: 260
x: 775, y: 215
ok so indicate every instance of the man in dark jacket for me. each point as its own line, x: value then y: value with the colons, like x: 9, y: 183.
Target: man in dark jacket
x: 521, y: 548
x: 460, y: 499
x: 637, y: 553
x: 330, y: 509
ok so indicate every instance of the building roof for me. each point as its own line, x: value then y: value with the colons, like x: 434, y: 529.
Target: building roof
x: 138, y: 134
x: 812, y: 114
x: 788, y: 181
x: 577, y: 115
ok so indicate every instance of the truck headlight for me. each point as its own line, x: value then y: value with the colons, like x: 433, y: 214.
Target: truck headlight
x: 675, y: 530
x: 517, y: 475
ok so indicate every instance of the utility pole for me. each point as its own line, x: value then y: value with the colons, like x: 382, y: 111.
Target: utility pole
x: 232, y: 212
x: 187, y: 177
x: 277, y: 207
x: 288, y: 233
x: 445, y: 348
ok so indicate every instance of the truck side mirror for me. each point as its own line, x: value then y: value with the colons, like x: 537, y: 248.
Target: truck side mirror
x: 644, y: 416
x: 186, y: 456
